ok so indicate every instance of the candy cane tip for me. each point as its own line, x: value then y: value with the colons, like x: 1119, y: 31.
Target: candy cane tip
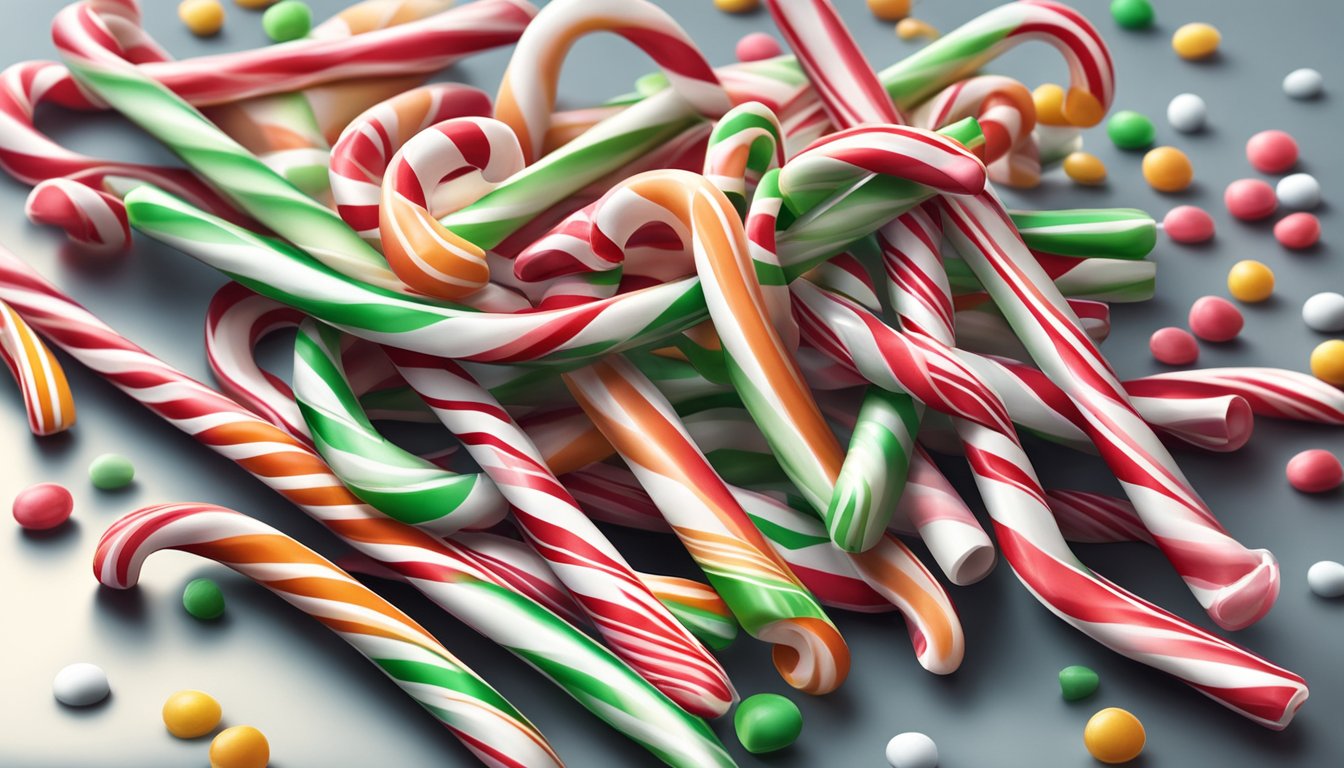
x: 809, y: 654
x: 1245, y: 601
x: 974, y: 565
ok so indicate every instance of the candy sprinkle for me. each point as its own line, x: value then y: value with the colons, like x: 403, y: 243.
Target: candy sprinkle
x: 1168, y: 169
x: 1113, y: 735
x: 111, y: 471
x: 1196, y: 41
x: 1303, y: 83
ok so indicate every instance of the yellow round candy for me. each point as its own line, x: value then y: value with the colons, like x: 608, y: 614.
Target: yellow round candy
x: 255, y: 4
x: 189, y: 714
x: 889, y: 10
x: 1049, y: 99
x: 1085, y: 168
x: 1167, y: 169
x: 737, y: 6
x: 1250, y: 281
x: 203, y: 17
x: 1195, y: 41
x: 241, y: 746
x: 1327, y: 362
x: 1114, y: 735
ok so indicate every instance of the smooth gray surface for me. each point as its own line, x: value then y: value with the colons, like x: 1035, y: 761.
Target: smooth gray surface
x: 321, y: 705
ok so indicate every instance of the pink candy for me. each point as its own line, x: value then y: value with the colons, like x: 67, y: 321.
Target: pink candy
x: 1315, y: 471
x: 1213, y: 318
x: 1298, y: 230
x: 1250, y: 199
x: 1173, y: 346
x: 757, y: 46
x: 1188, y: 224
x: 42, y: 506
x: 1272, y: 151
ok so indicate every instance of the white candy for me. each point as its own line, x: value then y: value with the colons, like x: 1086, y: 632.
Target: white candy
x: 1187, y: 113
x: 1325, y: 578
x: 912, y: 750
x: 1299, y: 191
x: 80, y: 685
x: 1324, y: 312
x: 1303, y: 83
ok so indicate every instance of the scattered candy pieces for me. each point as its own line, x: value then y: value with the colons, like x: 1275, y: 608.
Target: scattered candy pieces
x: 1326, y: 578
x: 1213, y: 318
x: 287, y: 20
x: 1303, y: 83
x: 1324, y: 312
x: 1049, y: 101
x: 1250, y: 281
x: 1085, y: 168
x: 190, y: 714
x: 767, y: 722
x: 1113, y: 735
x: 1188, y: 224
x: 1271, y: 151
x: 80, y: 685
x: 241, y: 746
x: 889, y: 10
x: 737, y: 6
x: 1130, y: 130
x: 202, y: 18
x: 1167, y: 169
x: 912, y: 750
x: 1250, y: 199
x: 1327, y: 362
x: 1132, y: 14
x: 1079, y: 682
x: 1298, y: 231
x: 1196, y: 41
x: 909, y: 29
x: 1315, y: 471
x: 43, y: 506
x: 203, y: 599
x: 757, y: 46
x: 1298, y: 191
x: 1187, y: 113
x: 1173, y: 346
x: 111, y: 471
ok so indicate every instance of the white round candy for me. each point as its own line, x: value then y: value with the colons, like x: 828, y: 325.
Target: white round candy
x: 1326, y: 578
x: 1324, y: 312
x: 1303, y: 83
x: 912, y: 750
x: 1298, y: 191
x: 80, y: 685
x: 1187, y: 113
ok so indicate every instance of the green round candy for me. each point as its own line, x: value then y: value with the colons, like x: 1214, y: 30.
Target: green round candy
x: 287, y: 20
x: 203, y: 599
x: 1077, y: 682
x: 111, y: 471
x: 1132, y: 14
x: 767, y: 722
x: 1130, y: 130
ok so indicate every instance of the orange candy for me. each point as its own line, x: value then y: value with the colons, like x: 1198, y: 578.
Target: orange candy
x: 1114, y: 736
x: 1167, y: 169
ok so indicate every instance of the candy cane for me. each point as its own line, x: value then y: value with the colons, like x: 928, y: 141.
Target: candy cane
x: 1270, y: 392
x: 1006, y: 113
x: 46, y: 393
x: 1093, y: 518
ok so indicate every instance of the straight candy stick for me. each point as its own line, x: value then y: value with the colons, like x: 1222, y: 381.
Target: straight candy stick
x: 46, y: 393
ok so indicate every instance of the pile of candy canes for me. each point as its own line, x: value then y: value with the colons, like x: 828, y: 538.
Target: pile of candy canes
x: 660, y: 312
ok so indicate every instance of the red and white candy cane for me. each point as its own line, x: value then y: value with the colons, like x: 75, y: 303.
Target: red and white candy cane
x: 1094, y: 518
x: 1273, y: 392
x: 46, y: 393
x: 1007, y: 116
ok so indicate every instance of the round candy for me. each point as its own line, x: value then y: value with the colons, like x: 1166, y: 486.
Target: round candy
x: 909, y: 29
x: 1132, y: 14
x: 203, y: 599
x: 1299, y: 191
x: 1167, y: 169
x: 190, y: 714
x: 1303, y: 83
x: 80, y: 685
x: 1326, y: 578
x: 1196, y: 41
x: 1130, y: 130
x: 1173, y: 346
x: 1271, y: 151
x: 1298, y: 231
x: 912, y: 750
x: 1187, y: 113
x: 757, y: 46
x: 1327, y: 362
x: 1213, y: 318
x: 287, y: 20
x: 889, y: 10
x: 737, y: 6
x: 42, y: 506
x: 241, y: 746
x: 1079, y: 682
x: 1324, y: 312
x: 1315, y: 471
x: 1250, y: 199
x: 1250, y: 281
x: 1188, y: 224
x: 202, y: 17
x: 111, y: 471
x: 1049, y: 101
x: 1085, y: 168
x: 1114, y: 736
x: 767, y: 722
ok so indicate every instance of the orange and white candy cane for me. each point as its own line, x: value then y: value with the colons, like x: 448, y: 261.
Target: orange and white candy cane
x: 46, y: 394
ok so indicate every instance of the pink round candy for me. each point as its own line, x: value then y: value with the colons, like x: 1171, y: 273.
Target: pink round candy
x: 757, y: 46
x: 1214, y: 318
x: 1315, y: 471
x: 42, y: 506
x: 1250, y: 199
x: 1298, y: 230
x: 1272, y: 151
x: 1173, y: 346
x: 1188, y: 224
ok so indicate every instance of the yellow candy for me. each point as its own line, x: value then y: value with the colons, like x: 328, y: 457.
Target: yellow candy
x: 909, y: 29
x: 1114, y: 735
x: 1049, y: 100
x: 737, y: 6
x: 241, y: 746
x: 889, y: 10
x: 1167, y: 169
x: 1250, y: 281
x: 1195, y: 41
x: 255, y: 4
x: 1085, y: 168
x: 1327, y: 362
x: 203, y: 17
x: 189, y: 714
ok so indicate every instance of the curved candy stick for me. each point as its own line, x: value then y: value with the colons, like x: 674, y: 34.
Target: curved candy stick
x: 41, y: 380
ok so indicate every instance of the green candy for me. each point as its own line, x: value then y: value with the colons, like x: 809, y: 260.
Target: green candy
x: 1077, y: 682
x: 111, y: 471
x: 1130, y: 130
x: 288, y: 20
x: 1132, y: 14
x: 203, y: 599
x: 767, y: 722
